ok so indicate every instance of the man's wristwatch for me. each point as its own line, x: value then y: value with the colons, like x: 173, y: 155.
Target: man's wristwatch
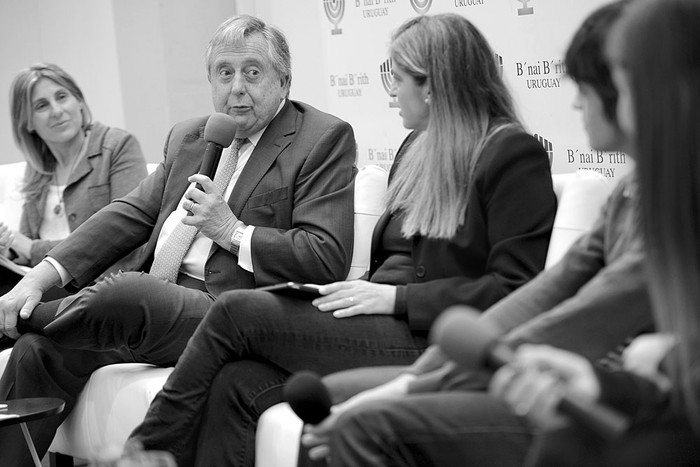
x: 237, y: 237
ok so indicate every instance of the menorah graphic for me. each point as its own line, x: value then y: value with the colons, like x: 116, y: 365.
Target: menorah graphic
x: 334, y: 12
x: 388, y: 80
x: 525, y: 10
x: 547, y: 146
x: 421, y: 6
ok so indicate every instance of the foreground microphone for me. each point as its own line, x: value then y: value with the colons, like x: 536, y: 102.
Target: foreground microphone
x: 308, y: 397
x: 474, y: 344
x: 218, y: 133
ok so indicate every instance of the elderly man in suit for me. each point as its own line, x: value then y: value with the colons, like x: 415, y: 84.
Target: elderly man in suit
x: 285, y: 214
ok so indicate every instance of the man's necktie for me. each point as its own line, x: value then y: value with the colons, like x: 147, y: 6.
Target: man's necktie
x: 166, y: 264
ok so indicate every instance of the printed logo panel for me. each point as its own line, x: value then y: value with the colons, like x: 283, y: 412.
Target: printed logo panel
x: 334, y: 12
x: 547, y: 146
x: 525, y: 10
x: 421, y: 6
x: 388, y: 80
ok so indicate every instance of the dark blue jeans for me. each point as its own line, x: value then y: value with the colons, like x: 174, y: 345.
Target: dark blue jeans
x: 132, y: 317
x: 432, y: 429
x: 237, y: 361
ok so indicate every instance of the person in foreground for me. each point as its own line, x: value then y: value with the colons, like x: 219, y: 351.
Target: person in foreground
x: 75, y: 166
x: 658, y: 77
x: 279, y: 208
x: 435, y: 413
x: 470, y: 212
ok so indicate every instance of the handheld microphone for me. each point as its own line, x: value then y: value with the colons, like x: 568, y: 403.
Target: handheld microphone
x: 218, y: 133
x: 474, y: 344
x: 308, y: 397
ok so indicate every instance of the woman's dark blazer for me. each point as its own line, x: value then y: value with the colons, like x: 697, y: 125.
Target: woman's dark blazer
x: 501, y: 245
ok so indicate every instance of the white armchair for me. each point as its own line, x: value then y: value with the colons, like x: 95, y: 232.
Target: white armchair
x: 10, y: 197
x: 117, y: 397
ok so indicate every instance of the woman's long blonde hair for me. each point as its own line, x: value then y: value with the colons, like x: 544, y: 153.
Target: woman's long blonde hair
x: 469, y: 103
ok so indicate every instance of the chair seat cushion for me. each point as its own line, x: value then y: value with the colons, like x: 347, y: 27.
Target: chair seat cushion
x: 277, y: 437
x: 114, y: 401
x: 580, y: 196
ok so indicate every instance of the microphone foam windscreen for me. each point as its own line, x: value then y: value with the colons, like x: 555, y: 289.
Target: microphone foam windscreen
x: 462, y: 337
x: 220, y: 129
x: 307, y: 396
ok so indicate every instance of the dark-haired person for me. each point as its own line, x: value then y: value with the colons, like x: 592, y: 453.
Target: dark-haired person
x: 279, y: 208
x: 75, y: 166
x: 657, y: 76
x: 469, y: 216
x: 435, y: 413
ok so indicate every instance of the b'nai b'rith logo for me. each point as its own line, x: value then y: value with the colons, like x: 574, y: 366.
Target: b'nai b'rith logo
x: 525, y: 10
x: 547, y: 146
x: 387, y: 80
x: 499, y: 64
x: 334, y: 12
x: 421, y: 6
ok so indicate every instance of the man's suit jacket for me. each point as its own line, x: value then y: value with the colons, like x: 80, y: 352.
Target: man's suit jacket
x: 296, y: 189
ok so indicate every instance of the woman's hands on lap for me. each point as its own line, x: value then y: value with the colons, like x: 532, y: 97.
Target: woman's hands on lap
x: 6, y: 238
x: 22, y: 246
x: 644, y: 356
x: 358, y: 297
x: 538, y: 378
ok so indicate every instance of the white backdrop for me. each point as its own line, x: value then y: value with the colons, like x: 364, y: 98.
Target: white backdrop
x: 529, y: 37
x: 153, y: 53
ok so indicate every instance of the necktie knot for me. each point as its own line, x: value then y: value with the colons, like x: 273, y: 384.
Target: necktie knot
x: 238, y: 144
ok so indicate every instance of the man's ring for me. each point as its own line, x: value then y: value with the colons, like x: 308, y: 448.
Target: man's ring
x: 189, y: 206
x: 351, y: 299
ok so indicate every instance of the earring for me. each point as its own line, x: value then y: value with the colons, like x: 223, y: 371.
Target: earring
x: 427, y: 100
x: 84, y: 124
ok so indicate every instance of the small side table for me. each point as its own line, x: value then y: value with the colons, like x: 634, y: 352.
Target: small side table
x: 25, y: 410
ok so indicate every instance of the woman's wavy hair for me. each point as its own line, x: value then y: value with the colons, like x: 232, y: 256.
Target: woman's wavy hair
x: 469, y: 103
x: 40, y: 160
x: 658, y: 44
